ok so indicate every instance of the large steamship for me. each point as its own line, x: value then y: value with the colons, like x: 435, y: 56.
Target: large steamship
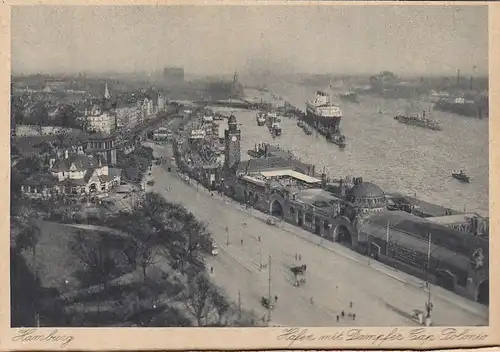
x: 323, y: 115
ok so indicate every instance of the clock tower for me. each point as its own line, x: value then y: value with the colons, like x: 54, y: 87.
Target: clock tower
x: 232, y: 139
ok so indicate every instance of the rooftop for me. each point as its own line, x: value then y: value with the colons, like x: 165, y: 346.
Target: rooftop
x: 290, y: 173
x: 366, y: 190
x: 421, y: 228
x: 452, y: 219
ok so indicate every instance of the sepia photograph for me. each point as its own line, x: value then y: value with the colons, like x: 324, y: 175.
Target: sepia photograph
x: 250, y: 166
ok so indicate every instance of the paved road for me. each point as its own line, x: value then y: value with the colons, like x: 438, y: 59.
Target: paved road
x: 334, y: 278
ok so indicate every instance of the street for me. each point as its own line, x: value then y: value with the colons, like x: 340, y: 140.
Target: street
x: 332, y: 280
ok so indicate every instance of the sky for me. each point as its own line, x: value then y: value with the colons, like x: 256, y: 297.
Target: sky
x: 213, y: 40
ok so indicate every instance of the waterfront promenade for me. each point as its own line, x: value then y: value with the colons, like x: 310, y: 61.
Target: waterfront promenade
x: 335, y: 275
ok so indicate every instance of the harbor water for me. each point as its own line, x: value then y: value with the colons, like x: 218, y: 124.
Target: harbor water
x: 397, y: 157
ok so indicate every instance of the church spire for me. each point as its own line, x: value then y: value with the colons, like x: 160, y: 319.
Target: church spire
x: 106, y: 92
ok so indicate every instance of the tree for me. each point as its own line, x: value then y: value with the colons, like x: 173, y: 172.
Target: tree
x: 145, y: 257
x: 198, y: 299
x: 40, y: 114
x: 95, y: 252
x: 27, y: 239
x: 220, y: 304
x: 67, y: 116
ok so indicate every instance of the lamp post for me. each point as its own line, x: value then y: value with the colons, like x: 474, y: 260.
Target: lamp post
x: 428, y: 304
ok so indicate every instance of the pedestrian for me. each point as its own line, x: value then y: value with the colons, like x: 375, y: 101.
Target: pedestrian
x: 342, y: 314
x: 338, y: 318
x: 276, y: 298
x: 241, y: 241
x: 312, y: 301
x: 350, y: 304
x: 353, y: 316
x: 212, y: 269
x: 258, y: 238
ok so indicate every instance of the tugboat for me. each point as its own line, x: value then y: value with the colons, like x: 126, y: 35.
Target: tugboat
x: 261, y: 119
x: 338, y: 139
x: 461, y: 176
x: 419, y: 121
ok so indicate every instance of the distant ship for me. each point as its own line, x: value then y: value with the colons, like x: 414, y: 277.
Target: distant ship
x: 323, y: 114
x: 461, y: 176
x: 419, y: 121
x: 461, y: 107
x: 349, y: 97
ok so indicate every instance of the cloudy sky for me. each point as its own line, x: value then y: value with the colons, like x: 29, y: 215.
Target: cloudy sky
x: 222, y: 39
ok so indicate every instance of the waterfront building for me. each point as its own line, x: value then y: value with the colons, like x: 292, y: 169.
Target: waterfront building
x: 355, y: 213
x: 458, y: 261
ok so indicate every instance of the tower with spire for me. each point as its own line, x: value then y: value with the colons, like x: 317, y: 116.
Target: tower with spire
x: 106, y: 105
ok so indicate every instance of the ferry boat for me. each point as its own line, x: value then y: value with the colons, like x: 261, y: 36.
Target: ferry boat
x: 419, y: 121
x: 461, y: 176
x: 261, y: 119
x: 321, y: 112
x: 338, y: 139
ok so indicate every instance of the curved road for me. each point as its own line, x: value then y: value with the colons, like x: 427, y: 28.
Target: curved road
x: 333, y: 279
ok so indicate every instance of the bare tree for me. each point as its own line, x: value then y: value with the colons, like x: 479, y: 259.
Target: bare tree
x: 145, y: 256
x: 198, y: 300
x: 220, y: 304
x: 95, y: 252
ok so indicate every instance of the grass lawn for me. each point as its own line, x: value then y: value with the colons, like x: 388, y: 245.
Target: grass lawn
x: 55, y: 262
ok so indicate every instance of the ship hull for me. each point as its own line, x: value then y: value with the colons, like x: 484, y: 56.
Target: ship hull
x: 417, y: 124
x: 330, y: 124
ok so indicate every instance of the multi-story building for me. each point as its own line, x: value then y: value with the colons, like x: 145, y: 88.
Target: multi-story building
x: 127, y: 116
x: 161, y: 102
x: 102, y: 118
x: 75, y: 174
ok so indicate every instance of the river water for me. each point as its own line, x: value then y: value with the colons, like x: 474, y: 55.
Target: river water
x: 395, y: 156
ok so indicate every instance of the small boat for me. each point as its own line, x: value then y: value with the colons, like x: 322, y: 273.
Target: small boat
x: 461, y: 176
x: 300, y: 123
x: 261, y: 119
x: 307, y: 129
x: 254, y: 153
x: 338, y: 139
x: 276, y: 129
